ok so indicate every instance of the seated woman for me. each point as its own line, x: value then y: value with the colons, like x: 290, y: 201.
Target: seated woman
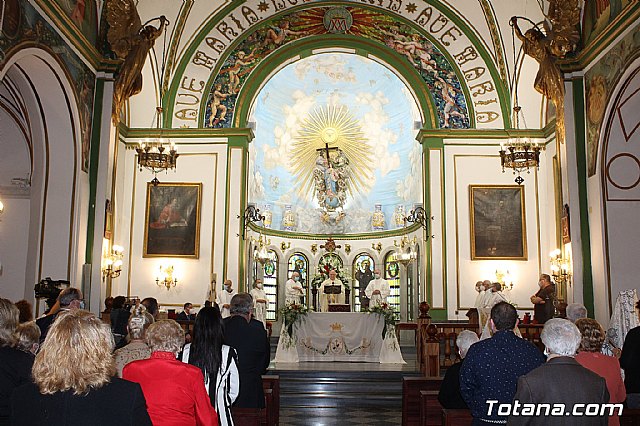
x: 73, y: 381
x: 136, y: 348
x: 217, y: 362
x: 174, y: 391
x: 450, y: 396
x: 589, y: 356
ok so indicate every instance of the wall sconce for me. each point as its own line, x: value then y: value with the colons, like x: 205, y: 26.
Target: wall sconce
x: 314, y: 249
x: 285, y: 246
x: 504, y: 278
x: 166, y: 278
x: 560, y: 267
x: 113, y: 263
x: 347, y: 248
x: 377, y: 247
x: 251, y: 214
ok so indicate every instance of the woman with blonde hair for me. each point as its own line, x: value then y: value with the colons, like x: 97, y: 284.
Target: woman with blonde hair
x: 174, y: 391
x: 73, y: 379
x: 15, y: 365
x: 606, y: 366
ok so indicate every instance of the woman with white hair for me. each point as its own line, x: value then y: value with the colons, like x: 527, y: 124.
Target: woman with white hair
x: 547, y: 384
x: 449, y: 395
x: 136, y: 349
x: 73, y: 381
x: 174, y: 390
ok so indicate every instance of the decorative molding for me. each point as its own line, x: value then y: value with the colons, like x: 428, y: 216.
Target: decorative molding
x: 323, y: 237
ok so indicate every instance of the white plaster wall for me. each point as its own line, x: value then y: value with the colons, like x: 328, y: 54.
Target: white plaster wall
x: 199, y: 162
x: 468, y: 165
x: 14, y: 229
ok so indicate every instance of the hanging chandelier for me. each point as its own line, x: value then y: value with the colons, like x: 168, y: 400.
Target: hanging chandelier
x: 261, y: 253
x: 404, y: 252
x: 157, y: 154
x: 520, y: 154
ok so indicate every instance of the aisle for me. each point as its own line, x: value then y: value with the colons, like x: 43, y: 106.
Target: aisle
x: 340, y: 393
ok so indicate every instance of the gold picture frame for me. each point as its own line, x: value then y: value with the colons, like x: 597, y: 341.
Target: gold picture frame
x: 498, y: 222
x: 172, y: 220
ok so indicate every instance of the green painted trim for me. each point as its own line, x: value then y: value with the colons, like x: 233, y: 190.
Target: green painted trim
x: 581, y: 161
x: 135, y: 132
x: 241, y: 141
x: 479, y: 134
x: 501, y: 88
x: 426, y: 203
x: 429, y: 142
x: 93, y: 166
x: 304, y: 48
x: 439, y: 315
x: 603, y: 41
x: 362, y: 236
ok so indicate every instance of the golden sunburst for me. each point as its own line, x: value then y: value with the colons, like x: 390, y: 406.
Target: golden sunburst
x: 335, y: 127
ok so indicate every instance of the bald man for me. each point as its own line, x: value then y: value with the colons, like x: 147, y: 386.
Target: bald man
x: 224, y: 298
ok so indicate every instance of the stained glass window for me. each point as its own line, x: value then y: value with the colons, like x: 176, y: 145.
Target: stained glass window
x: 363, y: 266
x: 392, y: 275
x: 298, y: 262
x: 270, y: 281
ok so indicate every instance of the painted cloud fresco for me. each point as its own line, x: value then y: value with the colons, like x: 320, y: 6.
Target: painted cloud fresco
x: 385, y: 111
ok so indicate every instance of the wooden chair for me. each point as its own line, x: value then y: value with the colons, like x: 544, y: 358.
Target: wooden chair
x: 271, y: 386
x: 411, y: 387
x: 248, y: 416
x: 456, y: 417
x: 630, y: 417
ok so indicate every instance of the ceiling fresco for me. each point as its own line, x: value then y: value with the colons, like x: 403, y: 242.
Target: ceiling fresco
x: 337, y: 124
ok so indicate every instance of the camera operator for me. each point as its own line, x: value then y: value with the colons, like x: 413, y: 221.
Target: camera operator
x: 69, y: 298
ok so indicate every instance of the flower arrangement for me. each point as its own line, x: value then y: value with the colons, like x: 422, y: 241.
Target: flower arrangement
x: 292, y: 313
x: 323, y: 274
x: 387, y: 313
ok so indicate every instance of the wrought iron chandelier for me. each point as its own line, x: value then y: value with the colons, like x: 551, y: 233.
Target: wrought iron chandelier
x: 154, y: 155
x: 520, y: 154
x: 158, y: 154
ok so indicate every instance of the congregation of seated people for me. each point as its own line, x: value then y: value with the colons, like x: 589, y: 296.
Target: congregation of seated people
x: 71, y: 367
x: 574, y: 369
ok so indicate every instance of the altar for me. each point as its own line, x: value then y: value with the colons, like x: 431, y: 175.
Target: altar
x: 339, y: 336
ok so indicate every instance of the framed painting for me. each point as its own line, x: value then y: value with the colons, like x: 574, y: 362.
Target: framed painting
x: 172, y: 220
x: 497, y: 219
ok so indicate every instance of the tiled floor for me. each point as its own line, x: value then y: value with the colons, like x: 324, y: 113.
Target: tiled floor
x: 338, y: 416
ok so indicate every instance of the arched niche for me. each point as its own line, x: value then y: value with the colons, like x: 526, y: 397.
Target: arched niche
x: 56, y: 212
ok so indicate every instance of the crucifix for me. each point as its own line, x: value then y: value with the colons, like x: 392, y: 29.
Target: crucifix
x: 325, y: 151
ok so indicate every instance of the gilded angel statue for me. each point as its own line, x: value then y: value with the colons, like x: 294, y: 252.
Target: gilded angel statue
x: 559, y: 38
x: 131, y: 41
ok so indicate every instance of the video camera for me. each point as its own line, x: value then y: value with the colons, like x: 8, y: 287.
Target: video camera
x: 49, y: 289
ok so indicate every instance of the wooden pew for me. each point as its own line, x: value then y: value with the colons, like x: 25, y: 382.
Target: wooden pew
x: 411, y: 387
x: 456, y: 417
x: 270, y: 415
x: 630, y: 417
x: 430, y: 408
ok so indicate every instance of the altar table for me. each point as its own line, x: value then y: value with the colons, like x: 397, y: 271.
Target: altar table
x: 339, y: 336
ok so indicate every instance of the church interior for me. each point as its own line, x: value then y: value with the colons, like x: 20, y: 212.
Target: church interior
x: 163, y: 148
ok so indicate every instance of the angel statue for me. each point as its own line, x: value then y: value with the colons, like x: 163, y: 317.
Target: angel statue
x: 131, y: 41
x: 559, y: 38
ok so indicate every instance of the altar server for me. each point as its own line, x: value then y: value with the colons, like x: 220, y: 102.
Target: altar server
x: 259, y: 302
x: 293, y: 289
x: 224, y: 298
x: 330, y: 299
x: 378, y: 289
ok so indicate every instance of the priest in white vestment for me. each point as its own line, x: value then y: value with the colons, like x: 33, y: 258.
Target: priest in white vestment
x: 224, y: 299
x: 378, y: 289
x: 259, y: 302
x: 330, y: 299
x: 293, y: 290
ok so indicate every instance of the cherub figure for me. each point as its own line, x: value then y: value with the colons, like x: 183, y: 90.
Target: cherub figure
x: 217, y: 105
x: 276, y: 35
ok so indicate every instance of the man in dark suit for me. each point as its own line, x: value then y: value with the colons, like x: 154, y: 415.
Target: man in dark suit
x: 252, y: 346
x: 69, y: 298
x: 492, y: 366
x: 562, y: 380
x: 186, y: 314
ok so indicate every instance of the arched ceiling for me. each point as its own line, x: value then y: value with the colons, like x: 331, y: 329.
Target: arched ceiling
x: 453, y: 25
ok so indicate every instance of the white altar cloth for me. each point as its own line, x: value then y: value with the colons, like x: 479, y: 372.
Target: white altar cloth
x: 339, y: 336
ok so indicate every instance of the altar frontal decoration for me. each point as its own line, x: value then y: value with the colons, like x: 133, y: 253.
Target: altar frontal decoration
x: 333, y: 159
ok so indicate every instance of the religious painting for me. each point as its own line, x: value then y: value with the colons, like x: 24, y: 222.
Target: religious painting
x: 598, y: 15
x: 363, y: 266
x: 497, y: 222
x: 84, y: 16
x: 565, y: 224
x: 172, y: 220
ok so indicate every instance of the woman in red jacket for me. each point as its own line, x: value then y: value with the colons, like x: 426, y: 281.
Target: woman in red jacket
x: 589, y: 356
x: 174, y: 391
